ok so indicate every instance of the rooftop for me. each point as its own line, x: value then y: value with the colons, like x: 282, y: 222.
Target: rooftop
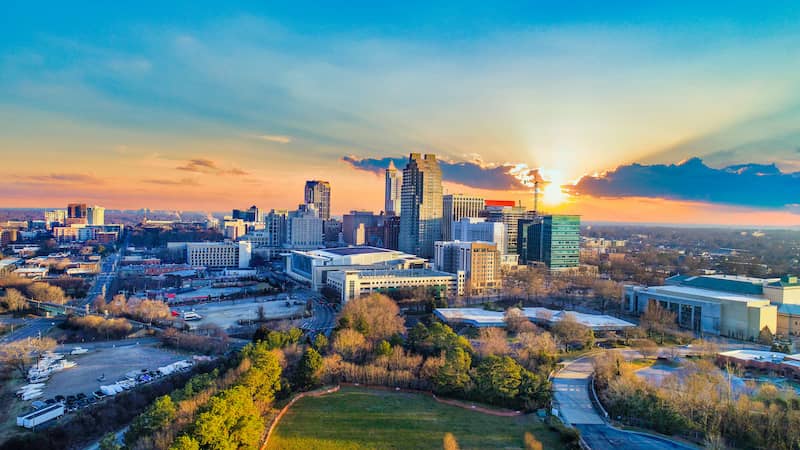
x: 755, y: 355
x: 704, y: 293
x: 361, y: 250
x: 483, y: 318
x: 729, y: 283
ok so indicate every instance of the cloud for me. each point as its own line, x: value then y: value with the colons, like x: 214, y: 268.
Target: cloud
x: 62, y: 178
x: 476, y: 174
x: 170, y: 182
x: 202, y: 165
x: 750, y: 185
x: 280, y: 139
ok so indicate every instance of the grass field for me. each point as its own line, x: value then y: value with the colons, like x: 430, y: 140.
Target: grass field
x: 368, y: 419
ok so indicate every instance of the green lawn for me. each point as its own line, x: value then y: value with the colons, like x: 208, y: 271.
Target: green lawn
x: 369, y: 419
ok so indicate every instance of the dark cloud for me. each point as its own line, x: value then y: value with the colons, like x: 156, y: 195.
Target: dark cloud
x: 471, y: 174
x: 202, y: 165
x: 751, y: 185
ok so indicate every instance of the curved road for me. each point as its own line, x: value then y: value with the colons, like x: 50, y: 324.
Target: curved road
x: 571, y: 388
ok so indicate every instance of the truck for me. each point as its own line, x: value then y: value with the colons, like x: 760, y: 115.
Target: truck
x: 41, y: 416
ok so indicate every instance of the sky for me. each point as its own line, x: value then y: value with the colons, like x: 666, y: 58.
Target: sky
x: 668, y: 112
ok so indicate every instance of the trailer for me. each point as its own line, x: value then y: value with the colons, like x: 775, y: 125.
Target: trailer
x: 32, y: 394
x: 41, y: 416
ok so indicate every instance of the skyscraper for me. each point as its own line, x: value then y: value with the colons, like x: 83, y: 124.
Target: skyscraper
x: 456, y: 206
x: 318, y: 193
x: 394, y: 184
x: 554, y: 240
x: 96, y: 215
x: 76, y: 211
x: 510, y: 216
x: 421, y: 205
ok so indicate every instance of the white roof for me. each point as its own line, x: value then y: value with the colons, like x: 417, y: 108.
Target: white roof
x: 755, y: 355
x: 705, y: 293
x: 482, y: 317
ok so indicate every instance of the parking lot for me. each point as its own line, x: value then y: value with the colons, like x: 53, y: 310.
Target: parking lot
x: 113, y: 362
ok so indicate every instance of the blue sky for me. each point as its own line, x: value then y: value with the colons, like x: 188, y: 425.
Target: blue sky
x: 268, y: 89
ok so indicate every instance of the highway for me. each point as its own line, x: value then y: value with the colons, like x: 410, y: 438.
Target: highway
x: 571, y: 389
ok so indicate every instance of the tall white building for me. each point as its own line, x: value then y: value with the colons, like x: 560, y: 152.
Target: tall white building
x: 470, y: 229
x: 456, y: 206
x: 305, y: 228
x: 394, y: 184
x: 421, y: 205
x: 215, y: 254
x: 96, y: 215
x: 234, y: 228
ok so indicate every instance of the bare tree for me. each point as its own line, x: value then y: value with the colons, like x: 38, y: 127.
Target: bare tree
x: 493, y: 341
x: 19, y: 355
x: 516, y: 321
x: 647, y: 348
x: 14, y: 300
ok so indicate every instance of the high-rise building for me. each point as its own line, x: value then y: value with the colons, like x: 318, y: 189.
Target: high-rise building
x: 234, y: 229
x: 248, y: 215
x: 510, y: 216
x: 55, y: 217
x: 553, y: 240
x: 421, y: 205
x: 96, y: 215
x: 332, y: 229
x: 76, y: 210
x: 391, y: 232
x: 456, y: 206
x: 480, y: 261
x: 478, y: 229
x: 318, y: 193
x: 276, y: 227
x: 394, y: 184
x: 305, y: 228
x: 356, y: 224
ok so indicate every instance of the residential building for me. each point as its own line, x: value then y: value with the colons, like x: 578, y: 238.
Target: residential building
x: 455, y: 207
x: 499, y: 211
x: 96, y: 215
x: 318, y: 193
x: 553, y: 240
x: 215, y: 254
x: 480, y: 262
x: 352, y: 284
x: 421, y: 200
x: 392, y: 197
x: 478, y: 229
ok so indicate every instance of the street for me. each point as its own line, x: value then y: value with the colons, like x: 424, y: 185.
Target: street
x: 323, y: 316
x: 32, y: 328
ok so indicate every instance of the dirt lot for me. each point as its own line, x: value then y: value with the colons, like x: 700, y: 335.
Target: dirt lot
x: 225, y: 314
x: 113, y: 362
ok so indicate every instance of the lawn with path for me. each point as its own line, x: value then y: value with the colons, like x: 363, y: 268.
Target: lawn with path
x: 356, y: 418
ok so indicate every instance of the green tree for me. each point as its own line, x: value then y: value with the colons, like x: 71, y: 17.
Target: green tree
x: 310, y: 368
x: 320, y: 342
x: 184, y: 442
x: 264, y: 377
x: 383, y: 348
x: 155, y: 417
x: 498, y: 379
x: 109, y: 442
x: 229, y: 421
x: 453, y: 377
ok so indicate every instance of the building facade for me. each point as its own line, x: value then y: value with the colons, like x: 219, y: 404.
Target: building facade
x: 455, y: 207
x: 305, y: 229
x: 96, y: 215
x: 510, y: 217
x: 421, y: 218
x: 227, y: 254
x: 251, y: 214
x: 478, y: 229
x: 352, y: 284
x: 356, y: 226
x: 480, y: 262
x: 553, y: 240
x: 318, y: 193
x: 392, y: 197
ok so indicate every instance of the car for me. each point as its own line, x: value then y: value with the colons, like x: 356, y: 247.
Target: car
x: 71, y: 399
x: 38, y: 404
x: 98, y: 394
x: 60, y: 398
x: 50, y: 401
x: 80, y: 396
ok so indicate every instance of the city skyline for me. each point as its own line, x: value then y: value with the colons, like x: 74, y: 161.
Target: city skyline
x: 629, y: 113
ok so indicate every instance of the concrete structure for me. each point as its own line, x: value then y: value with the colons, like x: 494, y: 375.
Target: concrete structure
x: 312, y: 267
x: 357, y: 225
x: 421, y: 220
x: 304, y: 230
x: 454, y: 208
x: 96, y: 215
x: 318, y: 193
x: 478, y: 317
x: 478, y: 229
x: 31, y: 272
x: 510, y: 217
x: 479, y: 261
x: 225, y: 254
x: 553, y: 240
x: 392, y: 196
x: 55, y: 217
x: 353, y: 284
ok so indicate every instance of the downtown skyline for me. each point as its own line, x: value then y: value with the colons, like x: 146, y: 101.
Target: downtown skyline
x: 640, y: 113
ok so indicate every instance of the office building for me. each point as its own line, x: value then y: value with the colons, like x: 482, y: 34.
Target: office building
x: 76, y: 214
x: 352, y: 284
x: 318, y: 193
x: 394, y: 184
x: 227, y: 254
x: 247, y: 215
x: 333, y: 231
x: 480, y: 262
x: 233, y: 229
x: 277, y: 226
x: 55, y: 217
x: 304, y: 228
x: 96, y: 215
x: 312, y: 267
x: 421, y: 200
x: 553, y: 240
x: 501, y: 212
x: 457, y: 206
x: 391, y: 232
x: 357, y: 225
x: 478, y: 229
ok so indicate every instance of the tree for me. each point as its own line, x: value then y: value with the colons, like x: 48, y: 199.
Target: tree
x: 320, y: 342
x: 19, y: 355
x: 531, y: 443
x: 310, y: 368
x: 571, y: 332
x: 453, y: 377
x: 349, y: 343
x: 384, y: 348
x: 230, y: 420
x: 109, y: 442
x: 516, y: 321
x: 157, y: 416
x: 657, y: 319
x: 14, y: 300
x: 493, y: 341
x: 185, y: 442
x: 376, y: 316
x: 765, y: 336
x: 44, y: 292
x: 646, y: 347
x: 609, y: 292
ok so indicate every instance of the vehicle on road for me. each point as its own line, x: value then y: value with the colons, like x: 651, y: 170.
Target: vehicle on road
x: 191, y: 315
x: 78, y: 351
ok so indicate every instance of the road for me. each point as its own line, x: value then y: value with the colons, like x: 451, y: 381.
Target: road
x: 571, y: 387
x: 32, y: 328
x: 322, y: 320
x: 108, y: 272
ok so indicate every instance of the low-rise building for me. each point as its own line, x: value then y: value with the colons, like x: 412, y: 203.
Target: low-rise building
x: 352, y: 284
x: 215, y: 254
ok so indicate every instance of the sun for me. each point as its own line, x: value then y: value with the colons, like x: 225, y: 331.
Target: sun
x: 552, y: 194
